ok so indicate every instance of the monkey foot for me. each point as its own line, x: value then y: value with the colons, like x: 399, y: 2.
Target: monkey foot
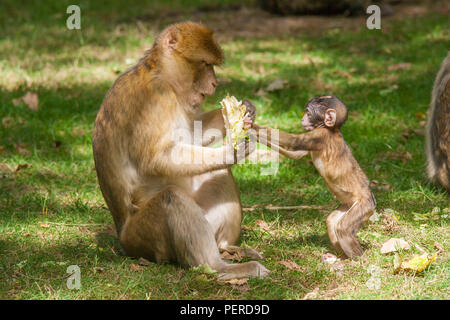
x: 242, y: 252
x: 244, y: 270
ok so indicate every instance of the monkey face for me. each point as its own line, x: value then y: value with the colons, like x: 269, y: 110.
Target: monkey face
x: 205, y: 81
x: 312, y: 118
x: 193, y: 53
x: 306, y: 121
x: 199, y: 80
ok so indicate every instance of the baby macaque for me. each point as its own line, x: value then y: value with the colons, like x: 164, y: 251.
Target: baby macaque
x: 331, y: 156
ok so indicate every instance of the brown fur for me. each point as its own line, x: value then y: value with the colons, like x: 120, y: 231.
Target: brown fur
x: 165, y: 211
x: 336, y: 164
x: 438, y: 128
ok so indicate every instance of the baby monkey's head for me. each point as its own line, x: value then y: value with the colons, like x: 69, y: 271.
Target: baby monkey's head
x: 324, y: 112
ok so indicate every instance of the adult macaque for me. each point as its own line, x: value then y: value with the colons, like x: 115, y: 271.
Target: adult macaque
x: 438, y: 128
x: 331, y: 156
x: 167, y: 208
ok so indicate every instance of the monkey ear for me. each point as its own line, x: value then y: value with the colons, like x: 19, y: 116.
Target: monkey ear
x: 330, y: 118
x: 171, y: 40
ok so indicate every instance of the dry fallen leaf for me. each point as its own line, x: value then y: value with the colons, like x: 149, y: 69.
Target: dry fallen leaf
x: 379, y: 185
x: 44, y: 225
x: 98, y: 269
x: 228, y: 256
x: 21, y: 148
x: 241, y: 287
x: 390, y: 223
x: 438, y: 246
x: 144, y: 262
x: 261, y: 92
x: 277, y: 84
x: 31, y: 100
x: 7, y: 121
x: 329, y: 258
x: 410, y: 132
x: 6, y: 168
x: 78, y: 131
x: 312, y: 295
x: 110, y: 230
x: 262, y: 225
x: 393, y: 245
x: 338, y: 266
x: 238, y: 282
x: 403, y: 156
x: 421, y: 115
x: 22, y: 166
x: 399, y: 66
x: 16, y: 102
x: 343, y: 74
x: 290, y: 265
x: 135, y: 267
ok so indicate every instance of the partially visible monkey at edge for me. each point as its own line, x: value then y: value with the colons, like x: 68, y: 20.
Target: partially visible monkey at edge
x: 438, y: 128
x: 324, y: 117
x: 164, y: 210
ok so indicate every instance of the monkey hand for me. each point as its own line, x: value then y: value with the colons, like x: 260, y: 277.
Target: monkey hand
x: 245, y: 147
x: 250, y: 110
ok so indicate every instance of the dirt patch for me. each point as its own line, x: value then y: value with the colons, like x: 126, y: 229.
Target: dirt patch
x: 256, y: 23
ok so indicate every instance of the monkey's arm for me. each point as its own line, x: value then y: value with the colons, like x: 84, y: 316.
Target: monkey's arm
x: 287, y: 142
x: 212, y: 120
x: 189, y: 160
x: 287, y: 153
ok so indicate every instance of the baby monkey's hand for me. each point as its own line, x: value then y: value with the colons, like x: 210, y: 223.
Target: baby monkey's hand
x: 251, y: 113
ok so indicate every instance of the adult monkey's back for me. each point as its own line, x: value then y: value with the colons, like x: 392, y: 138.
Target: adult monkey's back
x: 438, y: 128
x: 165, y: 210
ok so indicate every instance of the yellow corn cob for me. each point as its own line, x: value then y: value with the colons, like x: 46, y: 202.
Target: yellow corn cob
x: 233, y: 112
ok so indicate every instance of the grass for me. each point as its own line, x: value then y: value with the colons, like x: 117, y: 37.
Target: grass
x: 52, y: 213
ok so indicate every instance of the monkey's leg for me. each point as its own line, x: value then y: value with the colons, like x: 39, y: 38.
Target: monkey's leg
x: 218, y: 196
x: 172, y: 227
x: 332, y: 220
x: 348, y: 226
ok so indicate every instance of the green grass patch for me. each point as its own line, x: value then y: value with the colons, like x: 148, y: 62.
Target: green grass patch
x: 52, y: 213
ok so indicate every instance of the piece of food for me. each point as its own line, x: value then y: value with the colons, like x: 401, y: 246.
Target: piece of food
x: 415, y: 264
x: 233, y: 112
